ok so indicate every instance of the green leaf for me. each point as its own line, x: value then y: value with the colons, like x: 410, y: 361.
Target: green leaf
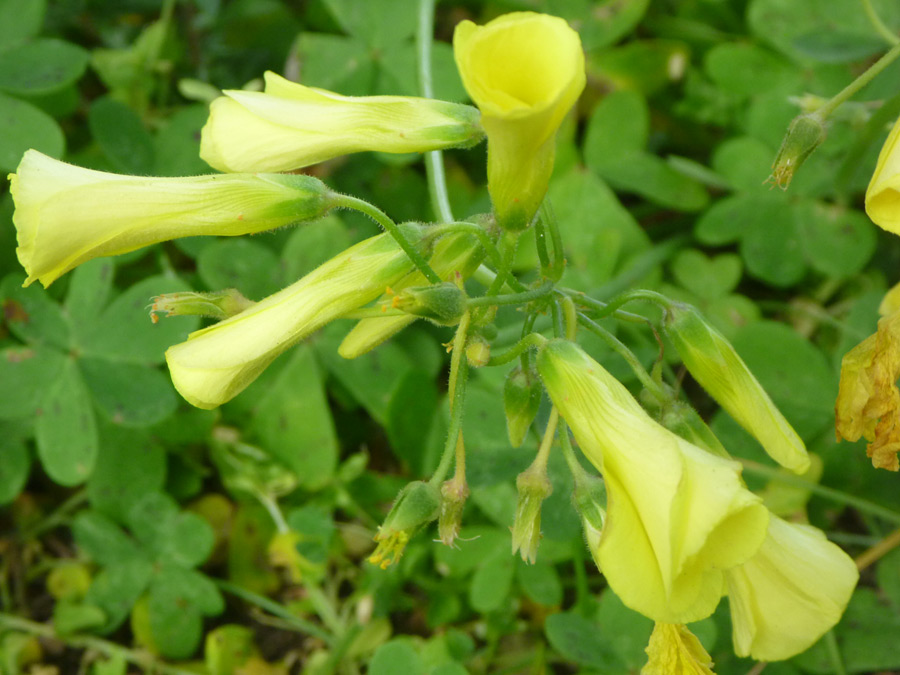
x: 66, y: 431
x: 124, y: 331
x: 576, y: 639
x: 838, y: 242
x: 540, y: 582
x: 709, y: 278
x: 89, y: 287
x: 20, y: 20
x: 130, y: 395
x: 181, y: 538
x: 75, y: 617
x: 492, y: 582
x: 15, y: 466
x: 745, y: 161
x: 838, y: 46
x: 312, y: 244
x: 396, y: 656
x: 599, y: 22
x: 316, y: 529
x: 32, y: 315
x: 177, y: 143
x: 381, y: 23
x: 336, y: 63
x: 624, y: 630
x: 175, y: 624
x: 619, y: 126
x: 728, y: 219
x: 476, y: 543
x: 25, y: 127
x: 642, y: 65
x: 410, y: 413
x: 773, y: 248
x: 104, y: 541
x: 652, y: 178
x: 33, y: 369
x: 121, y: 135
x: 239, y: 263
x: 293, y: 422
x: 747, y: 69
x: 129, y: 465
x: 41, y: 66
x: 800, y: 367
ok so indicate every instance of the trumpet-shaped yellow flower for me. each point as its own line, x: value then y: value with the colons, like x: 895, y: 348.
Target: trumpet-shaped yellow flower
x: 674, y: 650
x: 217, y: 363
x: 790, y: 593
x: 677, y: 516
x: 66, y: 215
x: 291, y: 126
x: 524, y: 71
x: 715, y: 364
x: 883, y: 193
x: 456, y: 254
x: 868, y: 402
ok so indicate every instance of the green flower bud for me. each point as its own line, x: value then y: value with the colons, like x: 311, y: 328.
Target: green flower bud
x: 680, y: 418
x: 417, y: 505
x: 715, y: 364
x: 521, y: 400
x: 534, y: 487
x: 442, y: 303
x: 590, y: 502
x: 216, y: 305
x: 805, y: 134
x: 478, y: 351
x: 453, y: 500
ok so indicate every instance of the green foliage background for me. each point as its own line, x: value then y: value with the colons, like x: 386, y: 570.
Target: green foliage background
x: 135, y: 527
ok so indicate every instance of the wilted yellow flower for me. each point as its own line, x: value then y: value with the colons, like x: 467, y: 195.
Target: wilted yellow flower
x: 524, y: 71
x: 790, y: 593
x: 677, y: 516
x: 868, y: 402
x: 455, y: 254
x: 674, y: 650
x: 883, y: 193
x: 217, y: 363
x: 291, y: 126
x: 715, y: 364
x: 66, y: 215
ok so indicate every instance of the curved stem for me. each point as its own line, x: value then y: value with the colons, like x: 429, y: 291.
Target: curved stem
x: 511, y: 298
x: 879, y: 550
x: 434, y: 160
x: 879, y: 25
x: 828, y: 107
x: 380, y: 217
x: 459, y: 375
x: 514, y: 352
x: 540, y: 461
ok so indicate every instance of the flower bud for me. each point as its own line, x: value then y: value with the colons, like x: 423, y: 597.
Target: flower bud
x: 66, y: 215
x: 454, y: 256
x: 590, y: 502
x: 444, y: 303
x: 290, y: 126
x: 478, y: 351
x: 417, y: 505
x: 805, y: 133
x: 680, y: 418
x: 715, y: 364
x: 453, y: 500
x: 216, y: 305
x: 534, y: 487
x: 521, y: 400
x: 524, y: 71
x: 216, y: 363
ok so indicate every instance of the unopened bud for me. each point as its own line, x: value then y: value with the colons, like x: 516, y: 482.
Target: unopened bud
x: 590, y: 502
x: 453, y: 500
x: 521, y: 400
x: 478, y: 351
x: 680, y: 418
x: 417, y: 505
x: 805, y: 134
x: 443, y: 303
x: 216, y: 305
x: 534, y: 487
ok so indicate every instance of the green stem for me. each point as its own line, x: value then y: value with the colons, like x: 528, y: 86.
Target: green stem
x: 59, y: 517
x: 599, y: 309
x: 434, y: 160
x: 885, y: 32
x: 380, y: 217
x: 508, y: 244
x: 828, y: 107
x: 529, y: 341
x: 142, y: 659
x: 459, y: 375
x: 834, y: 654
x: 294, y: 621
x: 618, y: 346
x: 858, y: 503
x: 539, y: 464
x: 512, y: 298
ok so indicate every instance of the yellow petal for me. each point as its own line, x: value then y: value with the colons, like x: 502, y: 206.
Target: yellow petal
x: 674, y: 650
x: 790, y: 593
x: 524, y: 71
x: 290, y: 126
x: 215, y: 364
x: 677, y: 515
x: 883, y: 193
x: 66, y: 215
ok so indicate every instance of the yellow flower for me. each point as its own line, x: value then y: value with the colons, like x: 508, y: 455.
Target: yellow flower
x: 291, y: 126
x: 883, y: 193
x: 868, y: 402
x: 790, y: 593
x: 524, y: 71
x: 715, y: 364
x: 66, y: 215
x: 674, y: 650
x: 677, y: 516
x: 215, y: 364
